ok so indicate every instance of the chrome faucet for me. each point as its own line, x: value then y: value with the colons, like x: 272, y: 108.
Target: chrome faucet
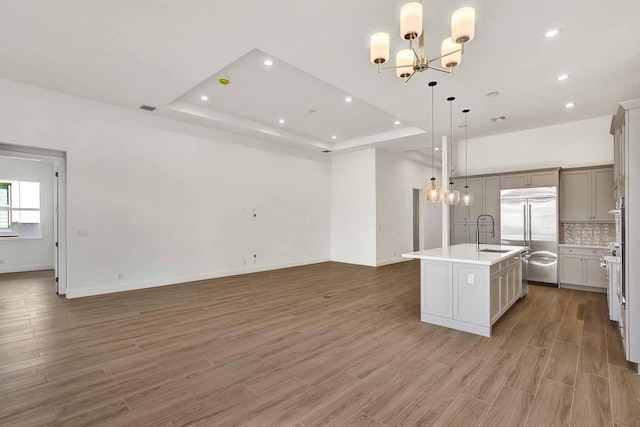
x: 493, y: 229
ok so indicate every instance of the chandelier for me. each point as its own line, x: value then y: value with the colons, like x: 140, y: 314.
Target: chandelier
x: 408, y: 61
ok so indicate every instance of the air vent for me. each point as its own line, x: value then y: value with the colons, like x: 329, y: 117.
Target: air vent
x: 326, y: 151
x: 498, y: 119
x: 147, y: 108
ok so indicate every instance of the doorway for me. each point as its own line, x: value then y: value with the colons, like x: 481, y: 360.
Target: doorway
x: 33, y: 213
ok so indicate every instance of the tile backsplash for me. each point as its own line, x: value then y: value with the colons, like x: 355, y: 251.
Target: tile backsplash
x: 587, y: 233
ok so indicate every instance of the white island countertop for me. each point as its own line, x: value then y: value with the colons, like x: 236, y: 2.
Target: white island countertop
x: 467, y: 253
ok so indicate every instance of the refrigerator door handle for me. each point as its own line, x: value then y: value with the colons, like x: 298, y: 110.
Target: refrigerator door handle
x: 530, y: 234
x: 524, y: 221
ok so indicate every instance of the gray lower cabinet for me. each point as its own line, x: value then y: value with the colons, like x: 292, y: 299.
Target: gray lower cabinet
x: 582, y: 270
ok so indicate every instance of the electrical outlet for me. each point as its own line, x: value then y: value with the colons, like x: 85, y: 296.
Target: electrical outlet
x: 83, y: 233
x: 471, y: 279
x: 244, y: 262
x: 119, y: 276
x: 255, y: 258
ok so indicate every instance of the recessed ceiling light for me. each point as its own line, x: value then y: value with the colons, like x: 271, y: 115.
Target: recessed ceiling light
x: 204, y: 97
x: 348, y: 99
x: 552, y: 33
x: 333, y: 137
x: 562, y: 77
x: 281, y: 121
x: 397, y: 122
x: 268, y: 62
x: 492, y: 94
x: 437, y: 149
x: 569, y: 105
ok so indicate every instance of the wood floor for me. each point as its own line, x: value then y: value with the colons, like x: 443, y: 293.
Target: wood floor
x: 328, y: 344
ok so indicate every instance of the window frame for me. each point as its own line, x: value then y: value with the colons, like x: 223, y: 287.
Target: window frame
x: 4, y: 232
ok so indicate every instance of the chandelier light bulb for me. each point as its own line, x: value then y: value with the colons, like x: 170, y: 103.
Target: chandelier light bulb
x: 411, y: 21
x: 450, y: 59
x: 463, y: 23
x: 404, y: 61
x: 380, y: 48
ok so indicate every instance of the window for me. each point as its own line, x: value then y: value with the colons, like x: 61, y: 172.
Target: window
x: 20, y: 209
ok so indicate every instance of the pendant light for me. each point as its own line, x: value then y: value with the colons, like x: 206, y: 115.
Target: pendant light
x: 467, y: 198
x: 451, y: 196
x: 433, y: 194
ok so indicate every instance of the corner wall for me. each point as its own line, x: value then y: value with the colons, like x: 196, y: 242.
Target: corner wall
x: 167, y: 202
x: 574, y: 144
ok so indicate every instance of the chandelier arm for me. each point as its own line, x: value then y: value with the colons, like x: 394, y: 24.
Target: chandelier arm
x: 441, y: 70
x: 415, y: 54
x: 445, y: 55
x: 409, y: 78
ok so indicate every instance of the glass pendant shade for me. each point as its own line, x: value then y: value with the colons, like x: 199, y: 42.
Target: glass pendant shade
x: 451, y: 59
x: 468, y: 199
x: 380, y: 48
x: 463, y: 23
x: 411, y: 21
x: 452, y: 197
x: 404, y: 61
x: 433, y: 194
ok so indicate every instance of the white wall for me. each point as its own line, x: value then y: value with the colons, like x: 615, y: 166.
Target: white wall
x: 135, y: 180
x: 353, y: 207
x: 575, y: 144
x: 18, y: 254
x: 396, y: 177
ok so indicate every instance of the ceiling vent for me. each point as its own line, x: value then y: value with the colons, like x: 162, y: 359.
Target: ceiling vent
x: 147, y: 107
x: 498, y: 119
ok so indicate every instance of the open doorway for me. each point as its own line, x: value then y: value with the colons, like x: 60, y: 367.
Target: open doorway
x: 427, y: 223
x: 33, y: 212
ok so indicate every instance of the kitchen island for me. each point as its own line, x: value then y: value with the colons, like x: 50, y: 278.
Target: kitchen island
x: 466, y: 289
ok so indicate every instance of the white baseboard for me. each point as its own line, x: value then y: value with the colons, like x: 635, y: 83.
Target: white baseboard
x: 583, y: 288
x: 132, y: 286
x: 25, y: 268
x: 392, y: 261
x: 485, y: 331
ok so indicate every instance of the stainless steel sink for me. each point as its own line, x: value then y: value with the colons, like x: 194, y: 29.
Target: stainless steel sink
x: 494, y: 251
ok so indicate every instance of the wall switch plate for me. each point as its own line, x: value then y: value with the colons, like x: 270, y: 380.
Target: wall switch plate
x: 471, y: 279
x: 119, y: 276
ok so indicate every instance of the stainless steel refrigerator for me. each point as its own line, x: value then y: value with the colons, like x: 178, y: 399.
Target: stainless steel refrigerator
x: 529, y: 217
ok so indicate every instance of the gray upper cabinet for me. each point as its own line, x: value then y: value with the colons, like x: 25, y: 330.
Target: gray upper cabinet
x: 544, y: 179
x: 603, y: 194
x: 575, y: 195
x: 514, y: 181
x: 459, y: 213
x: 548, y: 178
x: 476, y: 188
x: 587, y: 195
x: 492, y: 196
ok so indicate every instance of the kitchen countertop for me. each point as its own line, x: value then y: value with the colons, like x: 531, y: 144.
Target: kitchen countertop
x: 571, y: 245
x: 467, y: 253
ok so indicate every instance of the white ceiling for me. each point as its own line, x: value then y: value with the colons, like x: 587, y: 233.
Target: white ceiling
x: 156, y: 52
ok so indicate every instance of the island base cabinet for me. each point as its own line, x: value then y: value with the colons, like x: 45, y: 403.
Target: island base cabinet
x: 437, y: 288
x: 468, y: 296
x: 469, y: 293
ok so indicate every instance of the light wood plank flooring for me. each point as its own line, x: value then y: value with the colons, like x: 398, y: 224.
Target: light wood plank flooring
x: 328, y: 344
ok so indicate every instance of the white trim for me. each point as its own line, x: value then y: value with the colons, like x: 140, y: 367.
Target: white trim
x: 391, y: 261
x: 105, y: 288
x: 25, y: 268
x: 583, y: 288
x: 456, y: 324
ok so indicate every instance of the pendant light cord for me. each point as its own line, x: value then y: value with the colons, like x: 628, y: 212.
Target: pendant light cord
x: 451, y: 99
x: 433, y: 142
x: 466, y: 155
